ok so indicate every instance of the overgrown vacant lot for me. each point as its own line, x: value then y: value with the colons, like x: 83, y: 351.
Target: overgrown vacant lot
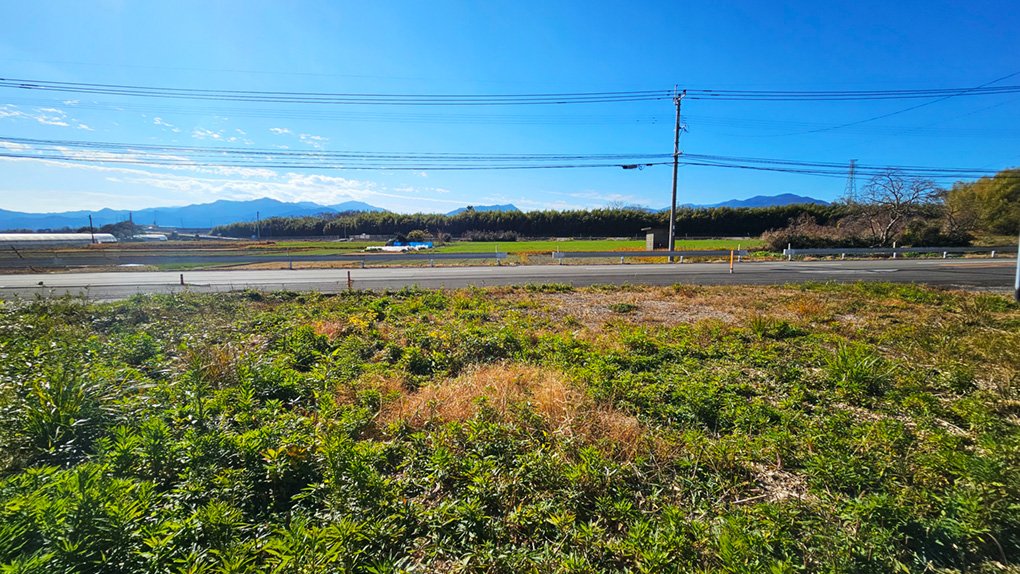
x: 823, y: 428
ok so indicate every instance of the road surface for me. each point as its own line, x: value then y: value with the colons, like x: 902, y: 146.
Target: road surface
x: 983, y: 274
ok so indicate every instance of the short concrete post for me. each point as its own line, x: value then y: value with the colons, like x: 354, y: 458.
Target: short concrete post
x: 432, y: 263
x: 894, y: 254
x: 943, y: 254
x: 362, y: 263
x: 681, y: 259
x: 993, y: 254
x: 621, y: 261
x: 842, y: 256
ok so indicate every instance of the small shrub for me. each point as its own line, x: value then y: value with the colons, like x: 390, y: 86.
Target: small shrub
x: 623, y: 308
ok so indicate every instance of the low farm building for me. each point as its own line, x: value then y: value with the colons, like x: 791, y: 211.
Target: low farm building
x: 44, y: 240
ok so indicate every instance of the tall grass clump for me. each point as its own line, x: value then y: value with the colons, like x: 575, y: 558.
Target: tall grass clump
x: 858, y: 371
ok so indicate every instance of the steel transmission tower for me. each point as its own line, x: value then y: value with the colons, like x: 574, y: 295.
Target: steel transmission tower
x: 850, y: 191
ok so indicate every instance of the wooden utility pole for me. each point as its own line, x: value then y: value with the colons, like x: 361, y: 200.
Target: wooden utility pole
x: 677, y: 97
x: 1016, y: 284
x: 92, y: 230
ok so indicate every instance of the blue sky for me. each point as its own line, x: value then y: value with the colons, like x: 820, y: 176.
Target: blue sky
x: 500, y: 48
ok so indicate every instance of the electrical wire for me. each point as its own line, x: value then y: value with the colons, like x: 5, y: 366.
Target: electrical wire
x: 190, y: 157
x: 492, y: 99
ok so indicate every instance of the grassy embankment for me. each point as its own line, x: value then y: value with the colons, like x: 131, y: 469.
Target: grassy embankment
x: 856, y: 428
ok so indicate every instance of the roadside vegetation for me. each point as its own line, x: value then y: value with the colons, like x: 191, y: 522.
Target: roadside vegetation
x: 894, y: 209
x: 818, y: 428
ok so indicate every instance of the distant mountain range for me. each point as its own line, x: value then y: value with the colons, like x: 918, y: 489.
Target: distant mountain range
x: 763, y: 201
x: 203, y: 215
x: 507, y: 207
x: 223, y: 212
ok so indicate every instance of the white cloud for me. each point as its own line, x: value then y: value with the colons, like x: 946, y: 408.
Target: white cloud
x: 50, y: 120
x: 281, y: 131
x: 14, y: 146
x: 85, y: 127
x: 203, y: 134
x: 52, y: 111
x: 160, y: 122
x: 9, y: 111
x: 70, y: 102
x: 314, y: 141
x: 244, y: 133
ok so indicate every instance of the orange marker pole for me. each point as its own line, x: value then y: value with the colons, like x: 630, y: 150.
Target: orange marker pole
x: 731, y: 261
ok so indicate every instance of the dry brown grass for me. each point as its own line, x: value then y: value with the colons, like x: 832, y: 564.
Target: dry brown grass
x: 504, y: 389
x: 500, y: 387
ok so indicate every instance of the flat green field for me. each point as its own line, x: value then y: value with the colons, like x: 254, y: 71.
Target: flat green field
x: 550, y: 246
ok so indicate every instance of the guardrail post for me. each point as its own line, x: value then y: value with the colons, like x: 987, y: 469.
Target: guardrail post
x: 993, y: 254
x: 681, y: 259
x: 944, y: 254
x: 621, y: 261
x: 432, y: 263
x: 362, y: 262
x: 894, y: 255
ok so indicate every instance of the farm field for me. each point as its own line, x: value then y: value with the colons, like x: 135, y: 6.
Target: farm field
x: 580, y: 245
x: 836, y: 428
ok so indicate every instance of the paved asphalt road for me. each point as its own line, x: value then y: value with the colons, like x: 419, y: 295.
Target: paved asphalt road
x: 984, y: 274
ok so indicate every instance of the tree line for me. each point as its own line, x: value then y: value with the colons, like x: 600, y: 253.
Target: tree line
x: 608, y: 222
x: 892, y: 209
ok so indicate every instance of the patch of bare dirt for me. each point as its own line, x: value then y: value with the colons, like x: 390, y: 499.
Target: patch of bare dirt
x: 594, y: 309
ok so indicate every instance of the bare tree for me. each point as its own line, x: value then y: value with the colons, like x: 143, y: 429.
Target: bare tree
x: 891, y: 199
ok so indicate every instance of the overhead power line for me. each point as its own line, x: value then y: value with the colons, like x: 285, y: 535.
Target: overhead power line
x: 255, y: 158
x: 328, y: 98
x: 336, y: 98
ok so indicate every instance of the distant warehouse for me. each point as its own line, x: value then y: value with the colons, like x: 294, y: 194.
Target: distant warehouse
x: 42, y: 240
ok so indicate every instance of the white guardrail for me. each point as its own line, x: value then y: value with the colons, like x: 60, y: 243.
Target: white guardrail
x: 561, y: 255
x: 896, y: 251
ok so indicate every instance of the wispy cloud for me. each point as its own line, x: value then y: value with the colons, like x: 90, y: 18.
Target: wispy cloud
x: 70, y: 102
x: 85, y: 127
x: 14, y: 146
x: 204, y: 134
x: 315, y: 141
x: 281, y: 131
x: 51, y: 120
